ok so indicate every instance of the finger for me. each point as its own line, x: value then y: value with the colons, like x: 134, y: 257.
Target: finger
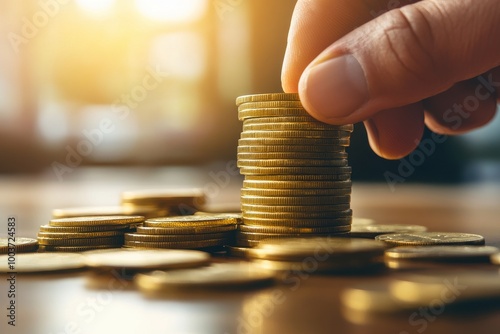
x: 401, y: 57
x: 394, y: 133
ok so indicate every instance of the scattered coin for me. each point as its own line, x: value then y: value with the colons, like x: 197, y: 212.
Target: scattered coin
x: 431, y: 238
x: 371, y: 231
x: 442, y: 253
x: 21, y: 244
x: 42, y: 262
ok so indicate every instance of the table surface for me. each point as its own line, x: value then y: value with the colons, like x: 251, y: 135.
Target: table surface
x: 78, y: 303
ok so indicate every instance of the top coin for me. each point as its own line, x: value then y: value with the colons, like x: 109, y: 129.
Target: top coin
x: 191, y: 221
x: 431, y: 238
x: 96, y: 220
x: 267, y: 97
x: 42, y: 262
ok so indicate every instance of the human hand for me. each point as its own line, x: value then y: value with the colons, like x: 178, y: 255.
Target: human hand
x: 432, y: 61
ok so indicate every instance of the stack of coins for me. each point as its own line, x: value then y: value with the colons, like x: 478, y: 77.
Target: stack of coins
x: 174, y: 201
x: 297, y: 178
x: 85, y: 233
x: 184, y: 232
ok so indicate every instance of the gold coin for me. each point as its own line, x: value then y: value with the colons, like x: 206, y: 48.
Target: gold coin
x: 330, y: 142
x: 51, y: 248
x: 442, y: 253
x: 297, y: 214
x: 236, y: 251
x: 175, y: 237
x: 76, y: 235
x: 295, y: 134
x: 264, y: 148
x: 295, y: 192
x: 267, y: 97
x: 292, y: 155
x: 185, y: 230
x: 293, y: 230
x: 293, y: 208
x: 292, y: 163
x: 84, y: 229
x: 305, y: 200
x: 270, y: 109
x: 327, y: 178
x: 294, y: 170
x: 146, y: 211
x: 37, y: 262
x: 298, y: 222
x: 294, y: 126
x: 431, y: 238
x: 362, y: 221
x: 353, y: 266
x: 177, y: 244
x: 235, y: 215
x: 146, y: 259
x: 81, y: 242
x: 164, y: 197
x: 304, y: 186
x: 296, y: 119
x: 191, y: 221
x: 298, y: 248
x: 96, y: 220
x: 219, y: 275
x: 371, y: 231
x: 20, y: 245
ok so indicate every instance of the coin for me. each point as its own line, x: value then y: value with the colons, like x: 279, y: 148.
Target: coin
x: 81, y: 242
x: 294, y: 208
x: 431, y: 238
x: 21, y: 245
x: 146, y: 259
x: 292, y: 155
x: 292, y: 163
x: 296, y: 149
x: 334, y: 178
x: 294, y: 170
x: 51, y: 248
x: 174, y: 237
x: 306, y: 200
x: 295, y: 192
x: 341, y: 267
x: 217, y: 276
x: 293, y: 230
x: 39, y: 262
x: 84, y: 229
x: 267, y: 97
x: 77, y: 235
x: 185, y: 230
x: 298, y: 222
x: 261, y: 236
x: 295, y: 119
x: 442, y: 253
x: 270, y: 109
x: 96, y: 220
x: 249, y: 134
x: 164, y: 197
x: 304, y: 187
x: 371, y: 231
x: 177, y: 244
x: 294, y: 141
x: 297, y: 214
x: 146, y: 211
x: 294, y: 126
x: 191, y: 221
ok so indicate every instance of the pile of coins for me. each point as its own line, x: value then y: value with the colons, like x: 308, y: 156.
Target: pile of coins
x: 80, y: 234
x: 209, y: 232
x: 173, y: 201
x: 297, y: 178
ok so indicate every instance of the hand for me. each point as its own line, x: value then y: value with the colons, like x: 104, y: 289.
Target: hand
x: 432, y: 61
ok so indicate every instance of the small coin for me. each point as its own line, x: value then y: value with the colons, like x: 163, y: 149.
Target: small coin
x: 329, y: 180
x: 21, y: 245
x: 191, y: 221
x: 146, y: 259
x: 442, y: 253
x: 371, y: 231
x: 294, y: 170
x: 292, y: 155
x: 146, y: 211
x: 295, y: 134
x: 51, y: 248
x: 267, y: 97
x: 96, y: 220
x: 297, y: 214
x: 185, y: 230
x: 164, y: 197
x: 236, y: 251
x: 174, y: 237
x: 295, y: 141
x: 84, y: 229
x: 38, y: 262
x: 294, y: 208
x: 271, y: 109
x: 295, y: 192
x: 298, y: 222
x: 217, y: 276
x: 292, y: 163
x: 305, y: 200
x: 81, y: 242
x: 264, y: 148
x: 431, y: 238
x: 299, y: 185
x: 293, y: 230
x: 298, y: 248
x: 177, y: 244
x: 294, y: 126
x: 76, y: 235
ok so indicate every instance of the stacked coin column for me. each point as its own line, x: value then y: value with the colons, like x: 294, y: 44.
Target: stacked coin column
x: 297, y: 178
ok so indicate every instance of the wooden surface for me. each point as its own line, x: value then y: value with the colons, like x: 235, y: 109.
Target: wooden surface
x: 77, y: 303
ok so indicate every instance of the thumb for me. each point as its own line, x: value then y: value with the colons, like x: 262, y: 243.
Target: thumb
x: 402, y: 57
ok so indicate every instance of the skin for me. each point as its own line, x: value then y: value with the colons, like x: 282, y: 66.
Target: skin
x: 397, y: 71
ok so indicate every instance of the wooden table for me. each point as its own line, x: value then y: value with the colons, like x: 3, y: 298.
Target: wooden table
x: 75, y: 303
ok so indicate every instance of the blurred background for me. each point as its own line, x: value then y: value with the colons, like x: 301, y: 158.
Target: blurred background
x: 153, y: 83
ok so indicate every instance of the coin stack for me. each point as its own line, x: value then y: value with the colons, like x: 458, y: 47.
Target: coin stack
x: 174, y: 201
x: 184, y: 232
x: 80, y: 234
x: 297, y: 178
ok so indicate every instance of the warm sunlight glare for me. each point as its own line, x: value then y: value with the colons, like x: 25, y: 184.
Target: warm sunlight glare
x: 175, y: 11
x: 96, y: 7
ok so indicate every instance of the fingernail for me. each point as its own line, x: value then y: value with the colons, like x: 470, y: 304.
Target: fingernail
x: 334, y: 88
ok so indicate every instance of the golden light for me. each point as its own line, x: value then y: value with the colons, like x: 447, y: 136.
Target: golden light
x: 175, y: 11
x: 96, y: 7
